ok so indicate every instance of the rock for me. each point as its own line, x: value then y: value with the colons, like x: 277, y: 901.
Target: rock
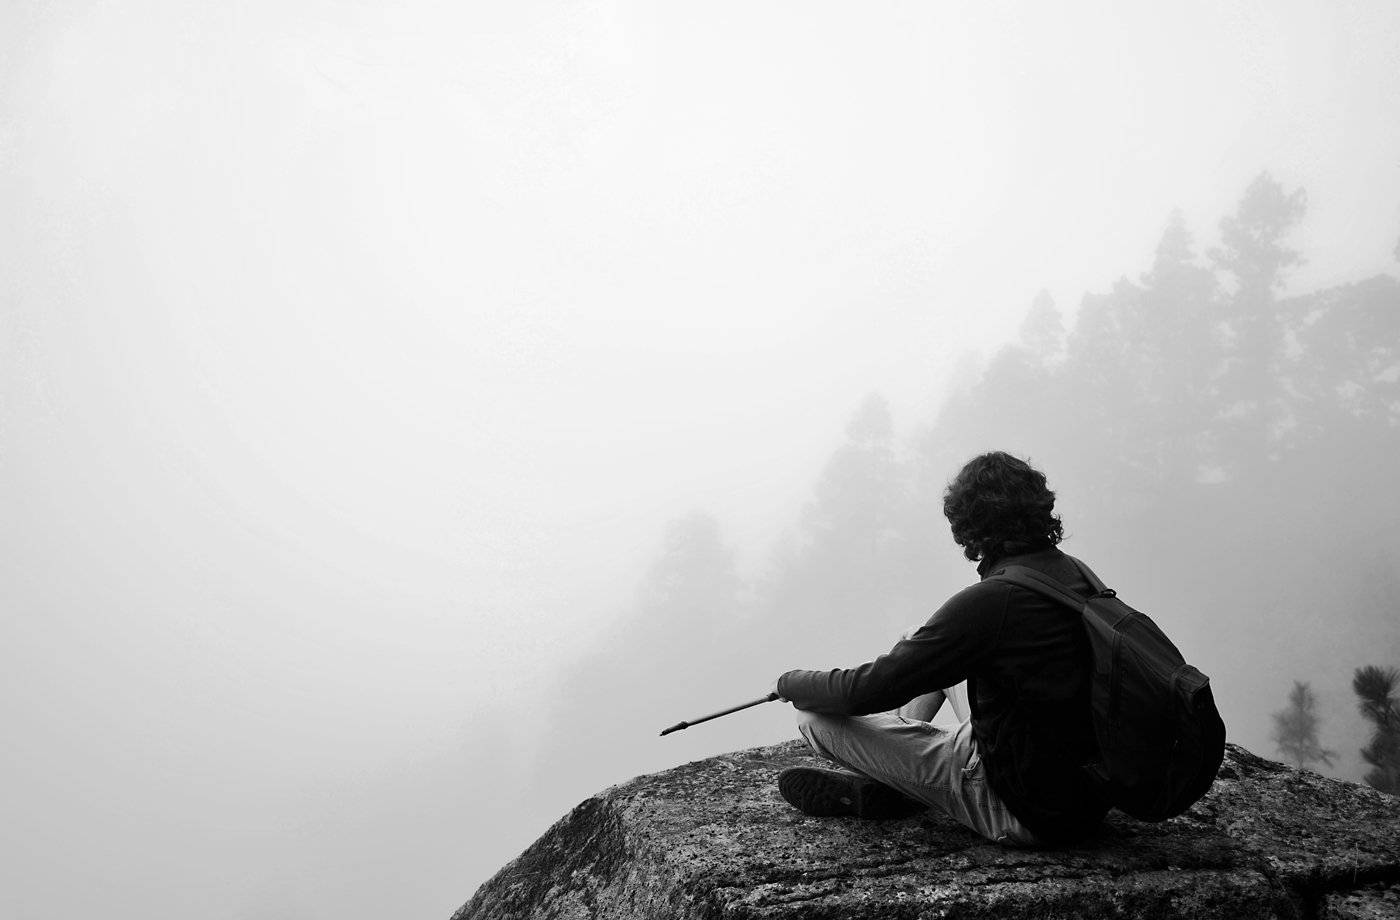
x: 1374, y: 902
x: 713, y: 839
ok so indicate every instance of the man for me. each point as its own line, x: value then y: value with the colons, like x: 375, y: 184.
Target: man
x: 1012, y: 771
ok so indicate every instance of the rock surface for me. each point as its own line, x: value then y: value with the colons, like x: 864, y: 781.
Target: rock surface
x: 713, y: 839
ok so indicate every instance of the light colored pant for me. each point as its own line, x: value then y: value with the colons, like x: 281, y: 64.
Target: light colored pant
x: 937, y: 766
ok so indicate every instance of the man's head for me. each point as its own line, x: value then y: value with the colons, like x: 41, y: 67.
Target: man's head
x: 999, y: 506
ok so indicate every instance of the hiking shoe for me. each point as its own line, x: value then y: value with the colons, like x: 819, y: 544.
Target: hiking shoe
x: 831, y: 794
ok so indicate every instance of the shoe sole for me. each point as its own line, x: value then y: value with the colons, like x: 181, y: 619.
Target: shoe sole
x: 828, y: 794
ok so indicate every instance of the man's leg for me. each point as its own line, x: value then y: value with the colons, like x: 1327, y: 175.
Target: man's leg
x: 925, y: 708
x: 957, y: 700
x: 931, y: 765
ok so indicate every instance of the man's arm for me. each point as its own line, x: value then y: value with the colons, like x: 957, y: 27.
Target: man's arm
x: 939, y: 654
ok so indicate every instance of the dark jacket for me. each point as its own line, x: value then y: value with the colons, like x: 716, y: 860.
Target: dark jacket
x: 1026, y: 661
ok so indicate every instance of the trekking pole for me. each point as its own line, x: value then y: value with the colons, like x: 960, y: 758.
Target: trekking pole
x: 680, y: 725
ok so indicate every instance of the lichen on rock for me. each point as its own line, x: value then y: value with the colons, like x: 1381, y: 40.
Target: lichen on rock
x: 712, y: 839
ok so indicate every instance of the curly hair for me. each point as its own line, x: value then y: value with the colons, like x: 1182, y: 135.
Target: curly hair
x: 999, y: 506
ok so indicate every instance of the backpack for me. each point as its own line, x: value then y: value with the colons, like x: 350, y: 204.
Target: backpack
x: 1160, y: 738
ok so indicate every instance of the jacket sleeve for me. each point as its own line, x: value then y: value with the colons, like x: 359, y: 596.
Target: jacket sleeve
x: 944, y: 651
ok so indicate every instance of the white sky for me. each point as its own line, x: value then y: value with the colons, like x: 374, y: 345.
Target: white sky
x: 353, y: 354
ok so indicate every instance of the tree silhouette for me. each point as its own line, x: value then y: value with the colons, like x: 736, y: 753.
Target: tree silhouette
x: 855, y: 500
x: 682, y: 631
x: 1251, y: 239
x: 692, y: 586
x: 1252, y: 251
x: 1379, y: 705
x: 845, y: 561
x: 1043, y: 329
x: 1181, y: 350
x: 1295, y: 729
x: 1347, y: 371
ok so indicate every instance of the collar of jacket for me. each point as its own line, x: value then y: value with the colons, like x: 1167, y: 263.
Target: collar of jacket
x: 1035, y: 560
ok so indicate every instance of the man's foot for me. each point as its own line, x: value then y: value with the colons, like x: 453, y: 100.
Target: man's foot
x: 830, y: 794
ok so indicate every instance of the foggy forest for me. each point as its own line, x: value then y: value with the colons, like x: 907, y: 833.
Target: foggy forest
x: 409, y: 409
x: 1224, y: 455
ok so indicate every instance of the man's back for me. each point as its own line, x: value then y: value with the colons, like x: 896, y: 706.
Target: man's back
x: 1030, y: 701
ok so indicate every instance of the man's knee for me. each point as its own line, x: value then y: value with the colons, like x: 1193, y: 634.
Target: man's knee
x: 817, y: 728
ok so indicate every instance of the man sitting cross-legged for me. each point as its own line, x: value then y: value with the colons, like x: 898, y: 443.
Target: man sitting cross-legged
x: 1011, y: 768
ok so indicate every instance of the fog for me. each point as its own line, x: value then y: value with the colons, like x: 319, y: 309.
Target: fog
x: 409, y: 409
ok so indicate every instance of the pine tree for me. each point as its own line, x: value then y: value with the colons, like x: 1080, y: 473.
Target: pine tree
x: 1253, y: 252
x: 693, y: 583
x: 1295, y: 729
x: 857, y: 497
x: 1181, y: 350
x: 1043, y: 329
x: 1379, y: 705
x: 845, y: 556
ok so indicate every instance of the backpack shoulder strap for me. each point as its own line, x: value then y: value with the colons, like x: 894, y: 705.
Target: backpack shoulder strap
x: 1094, y: 581
x: 1032, y: 580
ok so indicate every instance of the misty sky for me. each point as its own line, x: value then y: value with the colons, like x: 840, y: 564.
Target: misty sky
x: 355, y: 355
